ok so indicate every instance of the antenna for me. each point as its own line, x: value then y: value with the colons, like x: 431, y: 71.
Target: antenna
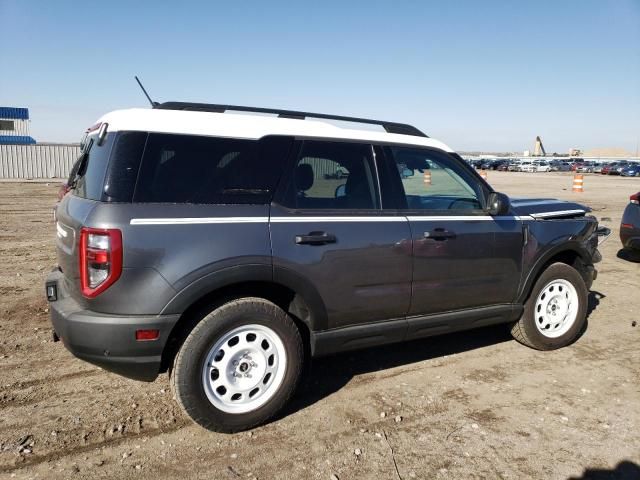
x: 153, y: 104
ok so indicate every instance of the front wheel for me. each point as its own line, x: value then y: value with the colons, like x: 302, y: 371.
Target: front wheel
x: 555, y: 313
x: 239, y: 366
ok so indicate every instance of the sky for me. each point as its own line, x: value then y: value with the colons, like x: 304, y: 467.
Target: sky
x: 486, y: 76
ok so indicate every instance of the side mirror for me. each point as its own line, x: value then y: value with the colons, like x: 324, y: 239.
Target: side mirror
x: 341, y: 191
x: 407, y: 172
x: 498, y: 204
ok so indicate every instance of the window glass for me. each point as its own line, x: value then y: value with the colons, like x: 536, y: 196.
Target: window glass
x: 334, y: 175
x: 92, y: 167
x: 434, y: 181
x: 198, y: 169
x: 6, y: 125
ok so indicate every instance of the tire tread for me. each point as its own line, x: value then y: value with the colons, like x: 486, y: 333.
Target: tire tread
x: 183, y: 391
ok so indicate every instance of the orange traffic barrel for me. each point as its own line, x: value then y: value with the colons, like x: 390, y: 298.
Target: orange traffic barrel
x: 427, y: 177
x: 578, y: 183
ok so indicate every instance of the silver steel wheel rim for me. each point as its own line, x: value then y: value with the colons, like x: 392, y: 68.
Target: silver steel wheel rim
x: 244, y: 369
x: 556, y: 308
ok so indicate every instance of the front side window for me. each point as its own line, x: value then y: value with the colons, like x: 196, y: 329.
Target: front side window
x: 334, y: 175
x: 434, y: 181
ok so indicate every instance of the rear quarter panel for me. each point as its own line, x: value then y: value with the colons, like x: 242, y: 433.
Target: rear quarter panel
x: 169, y: 247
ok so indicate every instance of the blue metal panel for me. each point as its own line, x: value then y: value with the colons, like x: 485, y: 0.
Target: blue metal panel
x: 16, y: 140
x: 16, y: 113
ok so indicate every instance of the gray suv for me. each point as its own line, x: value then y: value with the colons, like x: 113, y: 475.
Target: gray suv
x: 229, y: 248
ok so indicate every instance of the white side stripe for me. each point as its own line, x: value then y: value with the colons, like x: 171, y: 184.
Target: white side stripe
x: 459, y: 218
x: 198, y: 220
x: 338, y: 219
x: 365, y: 219
x: 560, y: 213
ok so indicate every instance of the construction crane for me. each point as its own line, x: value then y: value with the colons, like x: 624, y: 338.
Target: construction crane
x: 538, y: 150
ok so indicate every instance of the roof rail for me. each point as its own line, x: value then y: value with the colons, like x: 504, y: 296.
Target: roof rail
x: 390, y: 127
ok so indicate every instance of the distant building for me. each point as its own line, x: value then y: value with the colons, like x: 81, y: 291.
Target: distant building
x: 14, y: 126
x: 575, y: 152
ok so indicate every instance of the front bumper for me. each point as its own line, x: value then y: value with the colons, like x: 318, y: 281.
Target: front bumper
x: 108, y: 341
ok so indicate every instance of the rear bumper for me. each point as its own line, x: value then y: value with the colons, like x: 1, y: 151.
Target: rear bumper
x: 630, y: 238
x: 109, y: 341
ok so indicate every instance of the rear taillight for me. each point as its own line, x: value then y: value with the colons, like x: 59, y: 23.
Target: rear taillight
x: 100, y: 259
x: 635, y: 198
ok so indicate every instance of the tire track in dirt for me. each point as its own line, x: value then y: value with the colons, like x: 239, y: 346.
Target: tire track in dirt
x: 111, y: 442
x: 58, y: 378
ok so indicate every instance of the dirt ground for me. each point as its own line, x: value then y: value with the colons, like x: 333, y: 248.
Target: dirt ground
x: 469, y: 405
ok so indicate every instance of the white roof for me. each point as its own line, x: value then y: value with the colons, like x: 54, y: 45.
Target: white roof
x: 246, y: 126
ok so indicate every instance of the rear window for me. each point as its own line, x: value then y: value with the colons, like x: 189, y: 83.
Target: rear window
x: 197, y: 169
x: 92, y: 166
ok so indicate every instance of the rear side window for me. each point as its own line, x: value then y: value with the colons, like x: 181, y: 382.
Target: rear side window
x: 333, y: 175
x: 197, y: 169
x: 122, y: 174
x: 92, y: 166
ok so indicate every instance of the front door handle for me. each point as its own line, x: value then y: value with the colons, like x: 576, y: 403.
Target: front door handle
x: 316, y: 238
x: 439, y: 234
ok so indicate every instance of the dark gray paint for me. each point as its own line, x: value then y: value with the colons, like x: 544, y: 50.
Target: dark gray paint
x: 379, y: 282
x: 364, y: 276
x: 630, y: 237
x: 470, y: 269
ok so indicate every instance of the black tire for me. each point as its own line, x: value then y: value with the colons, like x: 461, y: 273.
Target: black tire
x: 186, y: 375
x: 525, y: 330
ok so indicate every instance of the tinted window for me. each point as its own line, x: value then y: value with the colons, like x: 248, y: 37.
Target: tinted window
x: 92, y: 167
x: 124, y: 164
x: 333, y: 175
x: 434, y: 181
x: 197, y: 169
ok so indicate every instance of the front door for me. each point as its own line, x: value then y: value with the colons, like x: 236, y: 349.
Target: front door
x: 328, y: 230
x: 462, y: 257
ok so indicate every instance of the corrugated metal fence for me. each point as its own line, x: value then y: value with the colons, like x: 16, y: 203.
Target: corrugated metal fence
x: 43, y: 160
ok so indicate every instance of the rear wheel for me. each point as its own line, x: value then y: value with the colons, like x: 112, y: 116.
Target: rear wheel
x: 239, y: 366
x: 555, y: 313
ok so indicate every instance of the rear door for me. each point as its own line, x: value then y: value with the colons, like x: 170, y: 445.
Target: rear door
x: 462, y: 258
x: 330, y: 233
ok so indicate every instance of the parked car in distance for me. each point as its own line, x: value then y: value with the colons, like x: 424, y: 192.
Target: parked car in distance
x: 620, y: 166
x: 228, y: 250
x: 631, y: 170
x: 514, y: 166
x: 575, y: 166
x: 586, y: 167
x: 542, y: 166
x: 598, y: 167
x: 608, y: 168
x: 559, y: 166
x: 630, y: 224
x: 524, y: 166
x: 496, y: 164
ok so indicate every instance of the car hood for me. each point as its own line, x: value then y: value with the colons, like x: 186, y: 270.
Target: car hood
x: 547, y: 208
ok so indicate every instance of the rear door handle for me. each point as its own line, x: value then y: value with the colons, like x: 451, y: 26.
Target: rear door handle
x: 439, y: 234
x: 316, y: 238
